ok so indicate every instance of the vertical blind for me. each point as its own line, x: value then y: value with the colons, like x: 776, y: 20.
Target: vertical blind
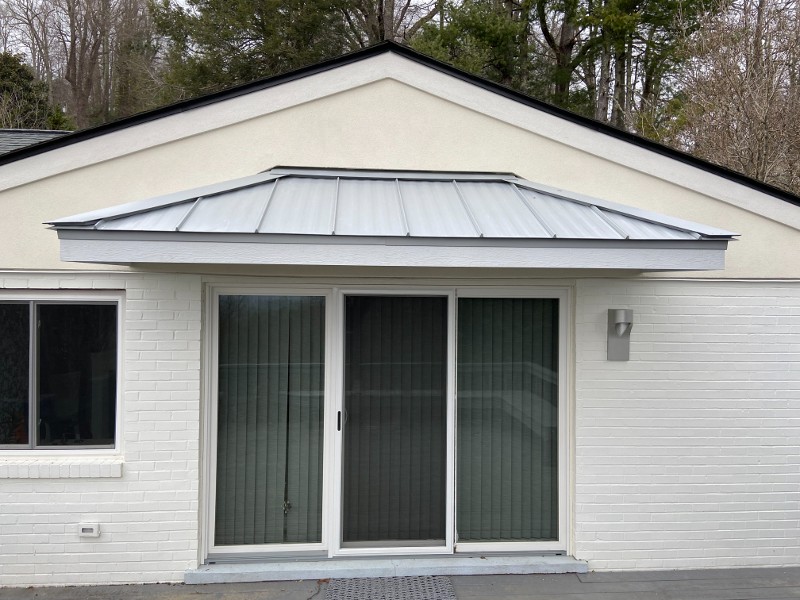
x: 507, y: 377
x: 269, y: 438
x: 395, y: 430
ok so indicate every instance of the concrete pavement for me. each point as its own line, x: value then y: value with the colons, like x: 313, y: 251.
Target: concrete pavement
x: 723, y: 584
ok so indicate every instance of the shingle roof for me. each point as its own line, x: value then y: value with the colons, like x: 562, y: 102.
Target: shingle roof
x: 16, y: 139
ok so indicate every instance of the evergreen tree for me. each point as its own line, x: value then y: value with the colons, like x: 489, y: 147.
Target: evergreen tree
x: 214, y: 44
x: 24, y: 102
x: 490, y: 40
x: 613, y: 60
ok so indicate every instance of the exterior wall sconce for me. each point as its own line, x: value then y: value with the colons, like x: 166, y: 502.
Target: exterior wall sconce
x: 620, y: 323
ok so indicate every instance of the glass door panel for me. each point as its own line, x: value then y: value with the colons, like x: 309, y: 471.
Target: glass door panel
x: 395, y: 421
x: 507, y: 420
x: 269, y: 425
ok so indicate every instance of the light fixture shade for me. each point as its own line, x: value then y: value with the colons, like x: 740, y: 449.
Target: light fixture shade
x: 620, y: 323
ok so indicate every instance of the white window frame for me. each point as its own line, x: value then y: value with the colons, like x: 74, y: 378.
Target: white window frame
x: 331, y: 544
x: 36, y: 298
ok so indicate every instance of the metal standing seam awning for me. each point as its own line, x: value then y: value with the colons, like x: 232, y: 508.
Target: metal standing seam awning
x: 305, y: 216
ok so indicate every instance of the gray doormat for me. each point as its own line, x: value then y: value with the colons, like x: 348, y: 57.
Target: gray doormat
x: 391, y: 588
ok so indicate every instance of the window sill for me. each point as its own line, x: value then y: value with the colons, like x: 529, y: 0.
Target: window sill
x: 67, y: 467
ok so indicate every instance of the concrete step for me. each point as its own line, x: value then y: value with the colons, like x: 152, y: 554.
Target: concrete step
x: 338, y: 568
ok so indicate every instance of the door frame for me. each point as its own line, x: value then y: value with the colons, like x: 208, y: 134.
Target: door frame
x: 335, y: 536
x: 210, y: 451
x: 330, y: 544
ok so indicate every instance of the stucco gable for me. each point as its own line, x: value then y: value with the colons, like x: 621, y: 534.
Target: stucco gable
x: 392, y: 61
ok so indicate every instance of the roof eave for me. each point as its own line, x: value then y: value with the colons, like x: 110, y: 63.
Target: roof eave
x: 91, y: 246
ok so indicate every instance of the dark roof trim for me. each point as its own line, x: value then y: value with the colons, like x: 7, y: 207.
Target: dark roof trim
x: 423, y: 59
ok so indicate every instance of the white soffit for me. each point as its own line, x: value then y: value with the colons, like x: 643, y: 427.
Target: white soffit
x: 389, y: 218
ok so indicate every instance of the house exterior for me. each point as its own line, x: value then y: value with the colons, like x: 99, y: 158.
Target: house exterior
x: 461, y: 332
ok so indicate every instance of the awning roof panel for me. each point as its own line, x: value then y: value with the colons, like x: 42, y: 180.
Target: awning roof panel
x: 570, y: 219
x: 386, y: 203
x: 499, y: 212
x: 390, y: 218
x: 638, y: 229
x: 165, y: 219
x: 370, y: 205
x: 434, y: 209
x: 237, y: 211
x: 301, y: 206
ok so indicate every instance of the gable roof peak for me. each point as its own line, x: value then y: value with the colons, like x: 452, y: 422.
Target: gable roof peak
x: 405, y: 51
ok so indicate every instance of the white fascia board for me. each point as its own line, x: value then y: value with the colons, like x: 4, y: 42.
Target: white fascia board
x: 642, y: 257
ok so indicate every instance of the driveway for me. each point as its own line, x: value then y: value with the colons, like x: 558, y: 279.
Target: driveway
x: 722, y: 584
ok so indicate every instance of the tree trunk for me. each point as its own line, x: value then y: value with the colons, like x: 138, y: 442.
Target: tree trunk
x: 618, y: 109
x: 603, y: 85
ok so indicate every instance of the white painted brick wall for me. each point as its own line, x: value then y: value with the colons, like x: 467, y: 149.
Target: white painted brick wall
x: 688, y: 455
x: 148, y: 516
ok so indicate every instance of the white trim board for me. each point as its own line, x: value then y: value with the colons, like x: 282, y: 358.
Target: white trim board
x: 709, y: 257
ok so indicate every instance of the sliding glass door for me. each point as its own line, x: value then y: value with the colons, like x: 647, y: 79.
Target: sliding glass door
x: 347, y: 423
x: 395, y: 429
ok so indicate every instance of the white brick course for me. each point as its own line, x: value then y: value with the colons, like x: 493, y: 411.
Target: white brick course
x: 687, y: 456
x: 145, y: 496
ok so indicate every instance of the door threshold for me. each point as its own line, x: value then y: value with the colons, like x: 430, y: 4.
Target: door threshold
x: 343, y: 568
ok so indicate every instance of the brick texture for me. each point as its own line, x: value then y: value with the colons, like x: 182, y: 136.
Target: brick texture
x: 145, y: 500
x: 688, y: 455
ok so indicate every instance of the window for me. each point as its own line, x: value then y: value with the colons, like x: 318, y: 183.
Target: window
x: 59, y: 373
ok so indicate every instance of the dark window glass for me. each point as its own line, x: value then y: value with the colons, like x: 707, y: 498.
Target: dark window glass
x: 395, y: 422
x: 271, y: 401
x: 507, y: 470
x: 77, y: 374
x: 14, y: 372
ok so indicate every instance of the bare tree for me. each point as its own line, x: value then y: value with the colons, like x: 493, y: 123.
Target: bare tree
x: 741, y: 91
x: 34, y: 25
x: 373, y: 21
x: 99, y: 58
x: 82, y: 34
x: 6, y: 31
